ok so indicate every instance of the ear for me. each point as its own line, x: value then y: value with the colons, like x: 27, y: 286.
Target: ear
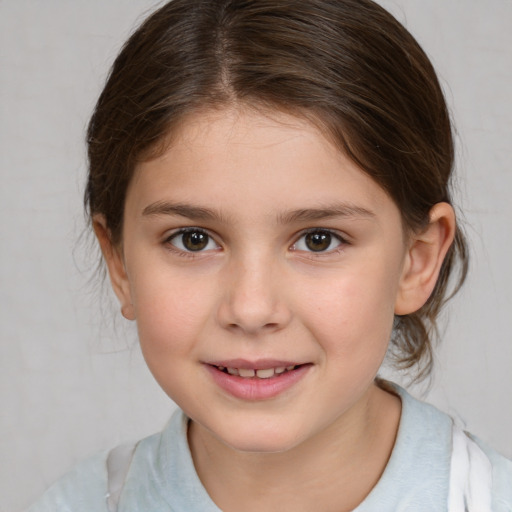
x: 426, y: 252
x: 116, y: 268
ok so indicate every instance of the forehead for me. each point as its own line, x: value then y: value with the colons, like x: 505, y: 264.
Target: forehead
x: 272, y: 160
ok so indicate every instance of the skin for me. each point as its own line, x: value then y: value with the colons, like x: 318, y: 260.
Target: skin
x: 257, y: 290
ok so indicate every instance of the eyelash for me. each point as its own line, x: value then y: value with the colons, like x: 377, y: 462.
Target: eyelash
x: 312, y: 231
x: 334, y: 236
x: 184, y: 252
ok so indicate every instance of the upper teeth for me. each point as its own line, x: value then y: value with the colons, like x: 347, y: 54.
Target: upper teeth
x: 261, y: 374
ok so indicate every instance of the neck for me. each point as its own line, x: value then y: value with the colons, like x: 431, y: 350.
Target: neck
x: 335, y: 470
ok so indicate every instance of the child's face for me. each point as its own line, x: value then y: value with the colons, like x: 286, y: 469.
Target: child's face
x: 291, y: 256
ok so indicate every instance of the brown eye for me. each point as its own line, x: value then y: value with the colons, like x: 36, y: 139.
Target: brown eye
x: 318, y: 241
x: 192, y: 240
x: 195, y: 240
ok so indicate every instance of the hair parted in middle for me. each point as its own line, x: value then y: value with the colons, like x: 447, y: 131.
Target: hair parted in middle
x: 347, y: 66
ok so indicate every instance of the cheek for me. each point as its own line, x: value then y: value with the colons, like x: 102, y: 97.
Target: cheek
x: 353, y: 312
x: 170, y: 312
x: 172, y: 315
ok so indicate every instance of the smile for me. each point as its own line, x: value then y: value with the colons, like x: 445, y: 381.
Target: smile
x: 262, y: 380
x: 250, y: 373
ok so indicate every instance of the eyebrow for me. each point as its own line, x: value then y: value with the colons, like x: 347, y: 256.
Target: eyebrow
x: 327, y: 212
x: 301, y: 215
x: 181, y: 209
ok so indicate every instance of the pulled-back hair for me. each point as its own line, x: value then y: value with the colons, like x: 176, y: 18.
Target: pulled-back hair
x: 346, y: 65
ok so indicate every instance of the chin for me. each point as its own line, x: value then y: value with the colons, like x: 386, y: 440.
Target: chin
x: 261, y: 446
x: 260, y: 439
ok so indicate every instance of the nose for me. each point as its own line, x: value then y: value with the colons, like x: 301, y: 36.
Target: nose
x: 254, y: 298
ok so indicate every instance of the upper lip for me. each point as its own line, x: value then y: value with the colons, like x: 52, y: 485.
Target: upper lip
x: 258, y: 364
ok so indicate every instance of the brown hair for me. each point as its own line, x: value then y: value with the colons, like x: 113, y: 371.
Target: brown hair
x: 347, y: 65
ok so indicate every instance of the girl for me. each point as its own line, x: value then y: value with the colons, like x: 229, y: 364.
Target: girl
x: 269, y: 185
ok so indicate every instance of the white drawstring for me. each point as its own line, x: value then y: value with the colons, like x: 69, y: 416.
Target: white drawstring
x: 470, y: 476
x: 118, y: 464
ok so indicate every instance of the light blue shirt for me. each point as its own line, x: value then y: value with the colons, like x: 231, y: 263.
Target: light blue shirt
x: 162, y: 476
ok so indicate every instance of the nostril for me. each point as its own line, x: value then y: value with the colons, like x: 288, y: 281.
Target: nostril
x: 252, y: 313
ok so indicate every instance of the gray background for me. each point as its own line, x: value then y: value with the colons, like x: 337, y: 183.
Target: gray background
x: 72, y: 384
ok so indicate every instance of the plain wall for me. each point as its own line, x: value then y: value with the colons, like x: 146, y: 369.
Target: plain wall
x: 71, y: 384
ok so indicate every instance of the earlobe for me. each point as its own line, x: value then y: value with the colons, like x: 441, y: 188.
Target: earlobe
x: 115, y: 265
x: 425, y: 255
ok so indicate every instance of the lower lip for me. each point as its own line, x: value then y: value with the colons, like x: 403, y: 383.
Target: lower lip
x: 255, y: 388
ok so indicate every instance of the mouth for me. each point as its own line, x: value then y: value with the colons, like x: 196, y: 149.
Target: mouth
x: 253, y: 373
x: 259, y: 380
